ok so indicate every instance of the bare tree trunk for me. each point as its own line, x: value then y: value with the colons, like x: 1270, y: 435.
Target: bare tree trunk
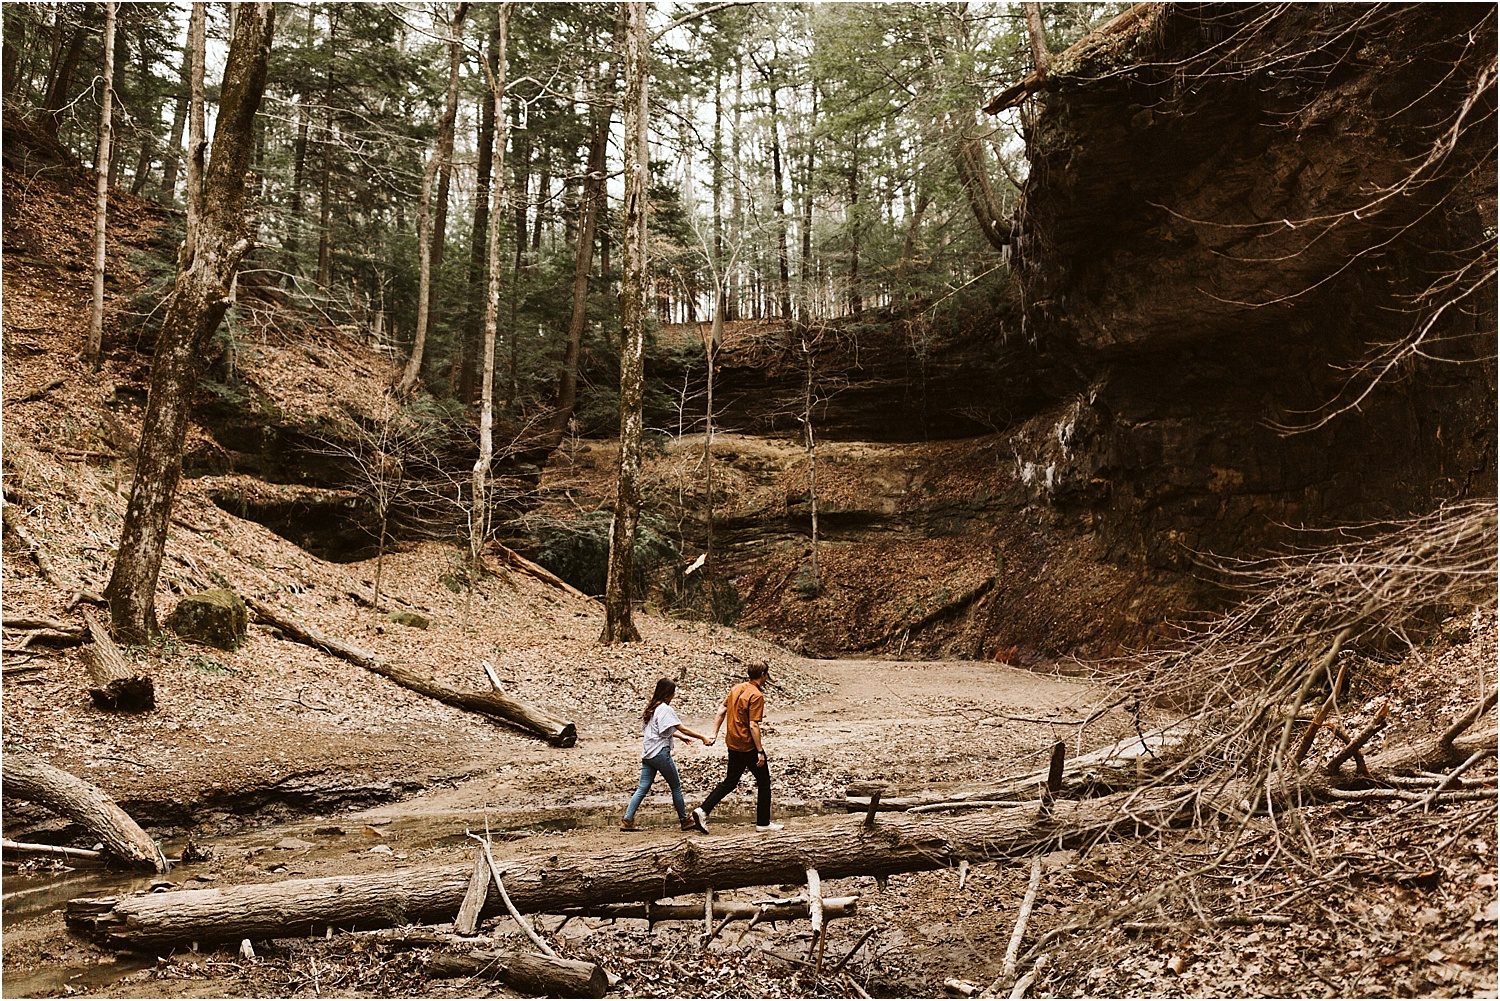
x: 325, y: 241
x: 480, y: 513
x: 588, y: 226
x: 1036, y: 33
x: 101, y: 197
x: 856, y: 297
x: 733, y: 308
x: 974, y: 177
x: 61, y: 80
x: 780, y: 189
x: 428, y: 235
x: 469, y: 354
x: 179, y: 121
x: 218, y: 239
x: 618, y: 626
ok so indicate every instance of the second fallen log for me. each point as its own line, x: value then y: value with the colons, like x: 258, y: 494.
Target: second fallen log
x: 512, y: 710
x: 525, y: 972
x: 779, y: 910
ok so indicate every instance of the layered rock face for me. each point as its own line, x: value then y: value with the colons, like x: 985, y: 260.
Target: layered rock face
x: 1233, y: 214
x: 1232, y: 211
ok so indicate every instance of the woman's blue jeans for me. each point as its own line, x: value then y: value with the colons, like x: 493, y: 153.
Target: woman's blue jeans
x: 660, y: 762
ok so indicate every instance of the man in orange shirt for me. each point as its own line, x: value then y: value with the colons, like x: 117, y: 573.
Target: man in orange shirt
x: 742, y: 709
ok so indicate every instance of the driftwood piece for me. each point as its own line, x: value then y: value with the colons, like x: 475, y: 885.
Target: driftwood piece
x: 467, y: 922
x: 552, y: 882
x: 56, y: 851
x: 525, y: 972
x: 30, y: 778
x: 1023, y: 917
x: 118, y: 684
x: 496, y: 704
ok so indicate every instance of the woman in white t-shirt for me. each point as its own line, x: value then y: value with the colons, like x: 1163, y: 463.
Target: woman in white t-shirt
x: 660, y: 724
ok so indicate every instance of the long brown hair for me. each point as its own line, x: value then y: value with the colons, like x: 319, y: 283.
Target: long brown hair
x: 665, y: 689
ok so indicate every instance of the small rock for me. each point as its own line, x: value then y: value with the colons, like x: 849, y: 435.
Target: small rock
x: 162, y: 885
x: 381, y: 850
x: 293, y: 844
x: 331, y: 830
x: 411, y: 619
x: 204, y: 877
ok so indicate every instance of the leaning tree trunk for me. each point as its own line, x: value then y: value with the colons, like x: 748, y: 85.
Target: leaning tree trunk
x: 479, y: 516
x: 30, y: 778
x: 118, y: 684
x: 428, y: 235
x: 552, y: 883
x: 101, y: 195
x: 618, y: 627
x: 205, y: 272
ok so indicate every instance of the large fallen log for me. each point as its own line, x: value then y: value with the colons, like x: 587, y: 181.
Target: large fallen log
x: 552, y: 882
x: 118, y: 684
x: 524, y: 972
x: 30, y: 778
x: 557, y: 732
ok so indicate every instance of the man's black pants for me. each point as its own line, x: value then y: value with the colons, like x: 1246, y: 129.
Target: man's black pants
x: 738, y: 762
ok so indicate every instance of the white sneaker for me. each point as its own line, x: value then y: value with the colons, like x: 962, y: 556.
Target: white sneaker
x: 700, y: 820
x: 763, y: 828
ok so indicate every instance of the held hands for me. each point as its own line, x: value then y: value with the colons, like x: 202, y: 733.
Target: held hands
x: 708, y: 741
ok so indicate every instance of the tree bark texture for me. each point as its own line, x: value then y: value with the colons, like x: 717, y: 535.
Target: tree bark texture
x: 118, y: 684
x: 479, y: 514
x: 525, y: 972
x: 538, y: 721
x: 724, y: 910
x: 101, y: 193
x: 618, y: 626
x: 30, y: 778
x: 428, y: 236
x: 205, y: 273
x: 552, y: 883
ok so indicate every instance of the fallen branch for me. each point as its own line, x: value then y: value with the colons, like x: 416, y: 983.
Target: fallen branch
x: 1352, y: 748
x: 520, y: 921
x: 540, y: 572
x: 494, y: 703
x: 59, y: 851
x: 30, y: 778
x: 1023, y: 917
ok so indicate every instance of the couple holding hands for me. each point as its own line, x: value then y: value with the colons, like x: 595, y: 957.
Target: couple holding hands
x: 742, y: 711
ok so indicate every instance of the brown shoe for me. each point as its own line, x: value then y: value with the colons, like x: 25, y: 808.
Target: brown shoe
x: 628, y: 824
x: 689, y: 824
